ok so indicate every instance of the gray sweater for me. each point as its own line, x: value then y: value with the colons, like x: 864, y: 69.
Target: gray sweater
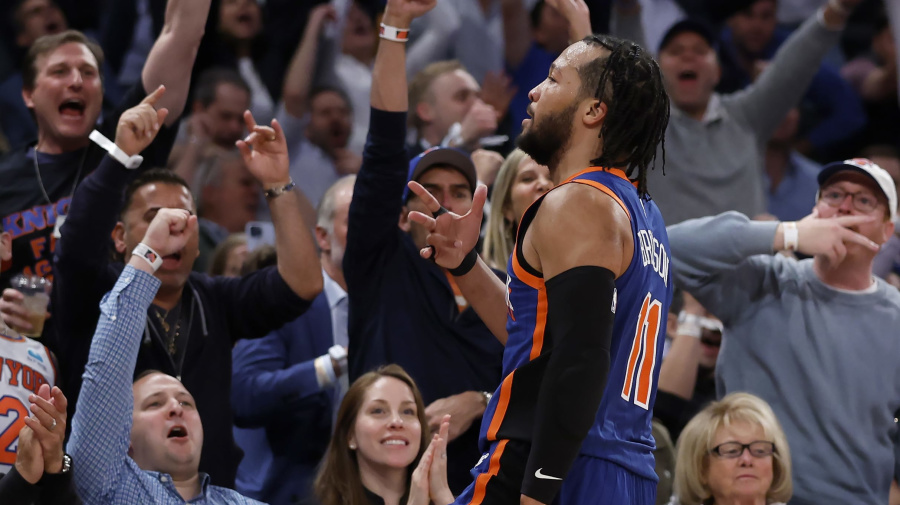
x: 826, y: 360
x: 716, y: 164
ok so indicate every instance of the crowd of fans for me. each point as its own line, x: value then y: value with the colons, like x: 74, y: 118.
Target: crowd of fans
x: 240, y: 309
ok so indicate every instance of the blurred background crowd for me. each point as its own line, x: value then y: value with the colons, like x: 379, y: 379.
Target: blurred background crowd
x: 275, y: 326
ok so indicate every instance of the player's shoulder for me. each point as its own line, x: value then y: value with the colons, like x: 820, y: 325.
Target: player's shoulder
x: 582, y: 204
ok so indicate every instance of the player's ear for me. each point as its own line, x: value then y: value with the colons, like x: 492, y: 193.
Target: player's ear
x: 595, y: 113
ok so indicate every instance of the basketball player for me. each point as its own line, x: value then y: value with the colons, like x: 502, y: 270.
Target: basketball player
x: 25, y: 364
x: 583, y: 310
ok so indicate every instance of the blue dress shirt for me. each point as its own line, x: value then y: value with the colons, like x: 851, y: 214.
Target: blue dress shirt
x: 101, y: 427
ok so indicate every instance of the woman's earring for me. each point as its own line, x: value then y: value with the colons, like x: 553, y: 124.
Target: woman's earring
x: 352, y: 446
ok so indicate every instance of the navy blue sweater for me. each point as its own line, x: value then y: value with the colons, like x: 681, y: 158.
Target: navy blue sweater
x: 223, y: 310
x: 402, y: 308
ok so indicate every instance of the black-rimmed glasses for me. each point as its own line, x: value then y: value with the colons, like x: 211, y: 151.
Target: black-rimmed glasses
x: 731, y: 450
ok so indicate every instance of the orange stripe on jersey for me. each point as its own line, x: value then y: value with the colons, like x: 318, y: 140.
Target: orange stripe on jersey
x: 523, y: 275
x: 502, y: 404
x: 618, y: 172
x: 608, y: 191
x: 482, y: 480
x: 635, y: 351
x: 540, y: 323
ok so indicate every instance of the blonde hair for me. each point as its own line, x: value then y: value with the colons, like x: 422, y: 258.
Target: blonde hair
x: 697, y: 438
x: 420, y: 87
x: 500, y: 236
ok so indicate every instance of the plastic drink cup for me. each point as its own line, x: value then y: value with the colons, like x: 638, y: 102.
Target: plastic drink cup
x: 36, y: 291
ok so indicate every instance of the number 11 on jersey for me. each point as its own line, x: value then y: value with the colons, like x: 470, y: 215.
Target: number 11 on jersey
x: 643, y: 347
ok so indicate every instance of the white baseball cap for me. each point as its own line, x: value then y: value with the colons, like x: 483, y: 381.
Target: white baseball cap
x: 863, y: 165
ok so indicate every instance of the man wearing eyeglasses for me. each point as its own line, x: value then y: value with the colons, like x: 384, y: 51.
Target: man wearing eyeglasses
x: 815, y: 338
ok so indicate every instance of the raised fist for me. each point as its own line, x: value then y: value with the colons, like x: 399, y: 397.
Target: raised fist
x: 170, y: 230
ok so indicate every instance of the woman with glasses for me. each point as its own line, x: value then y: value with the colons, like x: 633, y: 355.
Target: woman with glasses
x: 733, y: 452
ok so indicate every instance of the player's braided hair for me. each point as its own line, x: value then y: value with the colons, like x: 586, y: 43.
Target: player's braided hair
x: 629, y: 81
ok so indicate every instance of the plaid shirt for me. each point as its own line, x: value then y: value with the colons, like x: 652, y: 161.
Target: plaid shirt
x: 101, y: 427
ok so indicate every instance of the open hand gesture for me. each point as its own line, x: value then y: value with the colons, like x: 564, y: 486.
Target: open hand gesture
x: 265, y: 152
x: 450, y: 236
x: 139, y: 125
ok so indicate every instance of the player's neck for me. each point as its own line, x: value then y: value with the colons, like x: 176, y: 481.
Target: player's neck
x: 576, y: 156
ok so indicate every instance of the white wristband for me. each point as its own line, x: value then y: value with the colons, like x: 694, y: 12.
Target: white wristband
x: 149, y: 255
x: 689, y: 325
x: 791, y: 235
x: 393, y: 33
x: 130, y: 162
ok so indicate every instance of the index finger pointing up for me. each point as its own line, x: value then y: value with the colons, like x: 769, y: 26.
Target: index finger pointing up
x: 249, y: 121
x: 427, y: 198
x: 152, y: 98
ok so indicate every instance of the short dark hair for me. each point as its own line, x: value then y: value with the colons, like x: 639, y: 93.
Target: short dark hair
x: 629, y: 82
x: 48, y: 44
x: 154, y: 175
x: 209, y: 81
x: 318, y: 90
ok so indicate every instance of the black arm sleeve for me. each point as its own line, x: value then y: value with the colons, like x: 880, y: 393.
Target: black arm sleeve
x: 579, y: 326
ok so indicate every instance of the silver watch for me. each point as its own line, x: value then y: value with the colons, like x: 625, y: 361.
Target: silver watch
x: 339, y: 355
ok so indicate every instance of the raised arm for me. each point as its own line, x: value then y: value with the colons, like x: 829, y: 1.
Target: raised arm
x: 172, y: 57
x: 82, y: 254
x: 265, y: 154
x: 781, y: 85
x: 299, y: 78
x: 517, y: 30
x: 372, y: 232
x: 577, y: 14
x: 711, y: 255
x: 102, y: 423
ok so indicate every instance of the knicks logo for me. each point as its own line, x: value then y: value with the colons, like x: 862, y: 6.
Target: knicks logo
x: 509, y: 307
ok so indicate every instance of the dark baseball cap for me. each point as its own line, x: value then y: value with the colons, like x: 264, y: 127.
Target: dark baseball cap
x: 449, y: 157
x: 689, y: 25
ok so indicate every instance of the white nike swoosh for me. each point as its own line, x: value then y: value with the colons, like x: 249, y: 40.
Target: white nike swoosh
x: 540, y: 475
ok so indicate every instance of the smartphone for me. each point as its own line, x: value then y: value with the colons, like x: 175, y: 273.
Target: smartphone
x: 259, y: 233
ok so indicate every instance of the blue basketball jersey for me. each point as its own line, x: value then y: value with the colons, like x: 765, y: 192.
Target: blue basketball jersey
x: 621, y: 430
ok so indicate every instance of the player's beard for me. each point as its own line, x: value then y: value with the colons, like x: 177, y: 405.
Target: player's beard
x: 546, y: 140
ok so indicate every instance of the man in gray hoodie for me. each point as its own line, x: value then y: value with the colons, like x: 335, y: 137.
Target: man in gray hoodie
x: 815, y: 338
x: 715, y: 143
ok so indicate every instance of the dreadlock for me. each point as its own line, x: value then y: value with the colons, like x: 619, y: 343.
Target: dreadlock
x: 629, y: 82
